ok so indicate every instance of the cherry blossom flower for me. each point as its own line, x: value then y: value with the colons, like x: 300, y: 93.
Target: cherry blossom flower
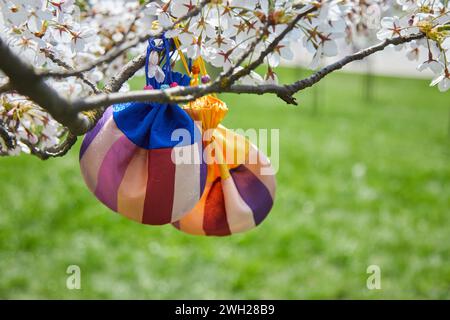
x: 180, y: 8
x: 251, y: 79
x: 70, y: 89
x: 413, y: 51
x: 271, y: 77
x: 36, y: 17
x: 446, y: 44
x: 283, y: 50
x: 431, y: 64
x: 201, y: 27
x: 154, y: 70
x: 161, y: 12
x: 407, y: 4
x: 391, y: 27
x: 442, y: 81
x: 80, y: 38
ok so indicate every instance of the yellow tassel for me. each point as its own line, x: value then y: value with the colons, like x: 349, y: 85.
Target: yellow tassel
x: 183, y: 59
x: 209, y: 110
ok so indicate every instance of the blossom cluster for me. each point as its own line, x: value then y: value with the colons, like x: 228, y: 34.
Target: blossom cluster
x: 54, y: 35
x: 433, y: 19
x: 224, y: 30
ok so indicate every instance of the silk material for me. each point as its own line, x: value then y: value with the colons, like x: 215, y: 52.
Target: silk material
x: 238, y: 195
x: 148, y: 185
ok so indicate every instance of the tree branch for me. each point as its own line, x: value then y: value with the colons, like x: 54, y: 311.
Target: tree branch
x: 5, y: 88
x: 286, y: 92
x: 360, y: 55
x: 27, y: 82
x: 243, y: 57
x: 116, y: 82
x: 58, y: 151
x: 7, y: 136
x: 172, y: 95
x: 61, y: 63
x: 185, y: 94
x: 271, y: 47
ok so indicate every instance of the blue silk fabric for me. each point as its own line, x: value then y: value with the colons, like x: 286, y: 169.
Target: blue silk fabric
x: 150, y: 125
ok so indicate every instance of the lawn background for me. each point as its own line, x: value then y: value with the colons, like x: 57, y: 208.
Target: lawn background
x: 360, y: 183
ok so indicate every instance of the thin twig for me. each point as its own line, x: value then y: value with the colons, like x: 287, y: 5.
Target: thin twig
x: 61, y: 63
x: 5, y: 88
x: 59, y: 151
x: 271, y: 47
x: 246, y: 53
x: 316, y: 77
x: 7, y: 136
x: 184, y: 94
x: 27, y: 82
x: 116, y: 82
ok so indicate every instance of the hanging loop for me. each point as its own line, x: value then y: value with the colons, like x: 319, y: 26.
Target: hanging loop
x: 163, y: 47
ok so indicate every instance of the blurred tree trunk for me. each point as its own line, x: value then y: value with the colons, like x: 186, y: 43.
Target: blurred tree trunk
x: 448, y: 129
x: 369, y: 82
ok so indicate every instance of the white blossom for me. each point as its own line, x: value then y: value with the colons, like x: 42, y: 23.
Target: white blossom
x: 442, y: 81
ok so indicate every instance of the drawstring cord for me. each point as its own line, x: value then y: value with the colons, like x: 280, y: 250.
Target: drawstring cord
x: 164, y: 47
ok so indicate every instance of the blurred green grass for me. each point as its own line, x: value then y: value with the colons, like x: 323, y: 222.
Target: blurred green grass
x: 360, y: 183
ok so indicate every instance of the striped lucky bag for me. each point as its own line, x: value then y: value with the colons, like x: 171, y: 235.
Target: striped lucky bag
x: 240, y: 185
x: 131, y: 159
